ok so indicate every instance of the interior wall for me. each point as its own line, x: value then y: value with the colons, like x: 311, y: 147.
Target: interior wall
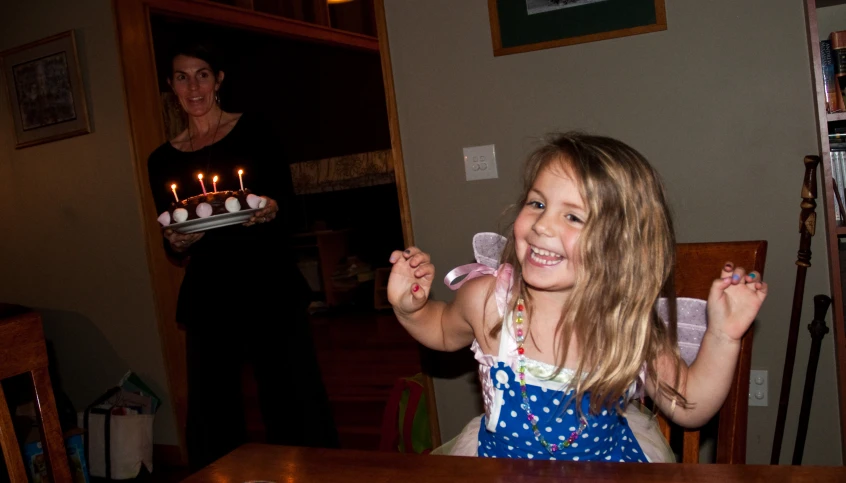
x: 720, y: 104
x: 830, y: 19
x: 72, y: 244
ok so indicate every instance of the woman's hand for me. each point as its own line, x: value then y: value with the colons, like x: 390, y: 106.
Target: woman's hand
x: 268, y: 213
x: 410, y: 280
x: 734, y: 302
x: 180, y: 242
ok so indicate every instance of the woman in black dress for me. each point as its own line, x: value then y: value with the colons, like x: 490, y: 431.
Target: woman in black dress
x: 242, y: 298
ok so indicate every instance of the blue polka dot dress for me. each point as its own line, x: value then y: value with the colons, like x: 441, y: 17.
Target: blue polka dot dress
x: 506, y: 432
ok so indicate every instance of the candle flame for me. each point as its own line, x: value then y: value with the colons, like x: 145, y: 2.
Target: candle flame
x: 173, y: 186
x: 214, y: 180
x: 200, y: 176
x: 240, y: 171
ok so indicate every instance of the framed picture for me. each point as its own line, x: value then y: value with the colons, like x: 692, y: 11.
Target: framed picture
x: 526, y: 25
x: 45, y: 89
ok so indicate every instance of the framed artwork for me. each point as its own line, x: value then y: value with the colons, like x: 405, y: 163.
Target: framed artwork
x: 526, y: 25
x: 46, y: 95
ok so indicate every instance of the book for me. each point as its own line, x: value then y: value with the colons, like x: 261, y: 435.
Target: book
x: 837, y: 179
x: 828, y: 76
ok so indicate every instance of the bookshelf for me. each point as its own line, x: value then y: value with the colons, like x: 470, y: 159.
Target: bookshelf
x: 818, y: 14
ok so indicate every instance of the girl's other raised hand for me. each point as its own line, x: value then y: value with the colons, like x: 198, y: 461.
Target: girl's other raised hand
x: 734, y: 301
x: 410, y: 280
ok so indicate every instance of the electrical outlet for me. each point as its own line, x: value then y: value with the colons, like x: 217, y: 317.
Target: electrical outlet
x: 758, y: 388
x: 480, y: 162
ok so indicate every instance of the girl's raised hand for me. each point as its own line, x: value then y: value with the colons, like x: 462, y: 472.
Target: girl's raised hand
x: 734, y: 301
x: 410, y: 280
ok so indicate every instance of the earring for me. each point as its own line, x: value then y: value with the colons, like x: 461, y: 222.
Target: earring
x: 217, y: 98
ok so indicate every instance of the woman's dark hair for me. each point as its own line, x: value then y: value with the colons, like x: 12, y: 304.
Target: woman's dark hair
x: 200, y: 51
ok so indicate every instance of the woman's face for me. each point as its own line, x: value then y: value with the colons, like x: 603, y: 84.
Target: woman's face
x: 194, y: 84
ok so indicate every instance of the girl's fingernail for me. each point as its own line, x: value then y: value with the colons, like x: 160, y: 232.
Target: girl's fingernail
x: 752, y: 275
x: 407, y: 251
x: 392, y: 259
x: 735, y: 277
x: 727, y: 279
x: 728, y: 266
x: 415, y: 288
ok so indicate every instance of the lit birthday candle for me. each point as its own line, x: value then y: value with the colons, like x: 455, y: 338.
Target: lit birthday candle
x: 203, y: 185
x: 173, y: 188
x: 214, y: 184
x: 240, y: 178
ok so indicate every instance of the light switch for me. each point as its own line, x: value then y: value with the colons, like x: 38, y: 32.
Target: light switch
x: 758, y: 388
x: 480, y: 162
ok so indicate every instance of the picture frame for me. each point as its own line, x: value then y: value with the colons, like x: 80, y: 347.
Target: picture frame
x: 526, y: 25
x: 45, y: 89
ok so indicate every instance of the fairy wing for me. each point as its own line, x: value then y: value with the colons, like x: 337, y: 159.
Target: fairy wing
x: 692, y: 321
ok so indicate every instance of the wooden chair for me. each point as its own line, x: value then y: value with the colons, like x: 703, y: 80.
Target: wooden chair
x: 22, y: 350
x: 697, y: 265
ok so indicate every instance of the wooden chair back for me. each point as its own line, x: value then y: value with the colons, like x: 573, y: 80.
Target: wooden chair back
x: 22, y: 350
x: 697, y: 265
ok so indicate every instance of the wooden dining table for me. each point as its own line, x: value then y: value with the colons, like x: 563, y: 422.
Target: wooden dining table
x: 285, y: 464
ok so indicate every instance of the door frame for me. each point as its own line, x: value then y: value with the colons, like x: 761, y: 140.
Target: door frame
x: 147, y: 132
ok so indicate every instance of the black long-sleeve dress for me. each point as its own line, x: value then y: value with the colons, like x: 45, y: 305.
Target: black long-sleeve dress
x: 243, y: 300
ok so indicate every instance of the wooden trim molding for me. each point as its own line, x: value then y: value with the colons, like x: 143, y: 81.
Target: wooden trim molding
x: 147, y: 132
x: 393, y: 121
x: 832, y: 230
x: 242, y: 18
x: 402, y: 186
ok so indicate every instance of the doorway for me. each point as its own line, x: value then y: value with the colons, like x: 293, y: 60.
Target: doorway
x: 340, y: 92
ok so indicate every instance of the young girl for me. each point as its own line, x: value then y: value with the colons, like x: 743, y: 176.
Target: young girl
x: 566, y: 330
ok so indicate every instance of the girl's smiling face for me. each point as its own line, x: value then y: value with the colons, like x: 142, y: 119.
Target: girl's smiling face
x: 547, y: 230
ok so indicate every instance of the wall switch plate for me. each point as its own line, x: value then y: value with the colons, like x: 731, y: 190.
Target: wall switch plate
x: 758, y: 388
x: 480, y: 162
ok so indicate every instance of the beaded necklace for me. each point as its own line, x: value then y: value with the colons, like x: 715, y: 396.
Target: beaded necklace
x: 552, y: 448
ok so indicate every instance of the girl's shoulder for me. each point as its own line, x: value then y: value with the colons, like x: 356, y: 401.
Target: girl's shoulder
x: 496, y: 279
x: 478, y: 287
x: 477, y: 301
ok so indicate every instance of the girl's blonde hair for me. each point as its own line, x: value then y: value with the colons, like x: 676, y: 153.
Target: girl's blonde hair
x: 627, y: 249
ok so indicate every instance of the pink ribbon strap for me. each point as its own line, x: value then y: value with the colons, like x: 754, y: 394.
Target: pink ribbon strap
x: 474, y: 270
x: 469, y: 272
x: 487, y: 247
